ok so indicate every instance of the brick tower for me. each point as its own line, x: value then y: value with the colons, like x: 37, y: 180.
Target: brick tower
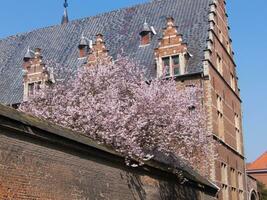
x: 224, y: 106
x: 222, y: 99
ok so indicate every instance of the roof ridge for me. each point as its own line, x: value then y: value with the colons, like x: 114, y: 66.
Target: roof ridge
x: 121, y: 29
x: 263, y: 155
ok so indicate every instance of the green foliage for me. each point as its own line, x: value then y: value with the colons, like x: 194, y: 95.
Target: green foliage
x: 262, y: 191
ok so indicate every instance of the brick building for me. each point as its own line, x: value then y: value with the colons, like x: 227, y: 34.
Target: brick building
x: 185, y: 39
x: 39, y: 160
x: 258, y: 169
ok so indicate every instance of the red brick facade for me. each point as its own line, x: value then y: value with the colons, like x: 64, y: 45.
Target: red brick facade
x: 41, y: 161
x: 222, y: 100
x: 224, y: 107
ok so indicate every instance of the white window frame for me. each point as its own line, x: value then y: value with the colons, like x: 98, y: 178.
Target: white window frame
x: 182, y: 64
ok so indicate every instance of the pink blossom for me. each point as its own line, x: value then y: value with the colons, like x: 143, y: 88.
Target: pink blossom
x: 112, y: 103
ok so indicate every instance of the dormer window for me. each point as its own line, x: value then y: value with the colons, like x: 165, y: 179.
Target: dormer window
x: 166, y: 66
x: 171, y: 65
x: 176, y: 65
x: 35, y: 73
x: 171, y: 55
x: 146, y: 34
x: 84, y: 46
x: 145, y: 38
x: 33, y: 88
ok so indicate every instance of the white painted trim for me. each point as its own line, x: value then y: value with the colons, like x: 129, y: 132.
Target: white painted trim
x: 174, y: 45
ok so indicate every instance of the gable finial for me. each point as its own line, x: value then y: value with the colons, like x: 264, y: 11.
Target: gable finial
x: 65, y: 18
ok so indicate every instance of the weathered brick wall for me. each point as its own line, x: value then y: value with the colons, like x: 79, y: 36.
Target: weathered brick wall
x: 262, y: 177
x: 33, y: 167
x: 226, y: 120
x: 40, y: 171
x: 252, y: 187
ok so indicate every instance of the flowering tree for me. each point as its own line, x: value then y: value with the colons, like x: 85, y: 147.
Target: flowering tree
x: 112, y: 103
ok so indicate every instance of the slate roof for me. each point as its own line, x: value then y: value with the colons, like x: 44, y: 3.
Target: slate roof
x: 121, y: 30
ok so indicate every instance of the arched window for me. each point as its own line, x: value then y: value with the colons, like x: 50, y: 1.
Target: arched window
x: 253, y: 195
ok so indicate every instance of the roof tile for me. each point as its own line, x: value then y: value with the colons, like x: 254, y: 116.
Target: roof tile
x: 121, y: 31
x: 260, y: 163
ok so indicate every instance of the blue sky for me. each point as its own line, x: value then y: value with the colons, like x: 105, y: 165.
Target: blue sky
x: 248, y: 22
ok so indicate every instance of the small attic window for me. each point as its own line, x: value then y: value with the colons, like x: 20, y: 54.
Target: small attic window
x: 145, y: 38
x: 146, y: 34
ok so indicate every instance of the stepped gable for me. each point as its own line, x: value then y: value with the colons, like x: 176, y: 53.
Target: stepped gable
x: 121, y: 30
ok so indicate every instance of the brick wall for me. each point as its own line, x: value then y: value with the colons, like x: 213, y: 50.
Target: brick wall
x: 224, y: 105
x: 262, y: 177
x: 252, y: 188
x: 47, y: 162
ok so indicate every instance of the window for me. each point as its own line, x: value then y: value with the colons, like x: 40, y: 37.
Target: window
x: 224, y: 180
x: 233, y: 177
x: 238, y: 133
x: 228, y: 47
x: 220, y: 36
x: 171, y: 65
x: 219, y: 104
x: 219, y: 65
x: 176, y: 65
x: 241, y: 195
x: 238, y: 141
x: 225, y: 192
x: 145, y: 38
x: 31, y: 89
x: 220, y: 117
x: 166, y: 66
x: 232, y: 82
x: 233, y: 194
x: 38, y: 86
x: 237, y: 121
x: 240, y: 181
x: 224, y: 174
x: 220, y: 126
